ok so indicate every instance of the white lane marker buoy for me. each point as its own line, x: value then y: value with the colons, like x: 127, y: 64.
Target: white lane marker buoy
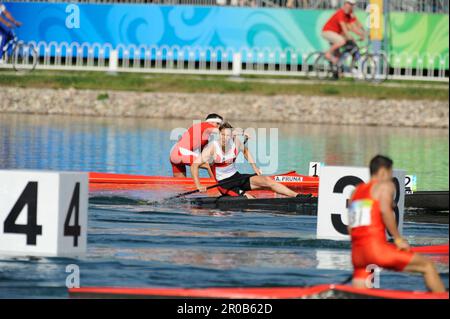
x: 410, y: 184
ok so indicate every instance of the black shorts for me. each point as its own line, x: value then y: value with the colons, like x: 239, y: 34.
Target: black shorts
x: 238, y: 185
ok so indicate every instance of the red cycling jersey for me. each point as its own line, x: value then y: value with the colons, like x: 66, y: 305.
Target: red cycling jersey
x: 188, y: 148
x: 333, y: 24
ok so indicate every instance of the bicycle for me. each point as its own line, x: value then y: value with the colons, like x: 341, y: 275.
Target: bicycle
x: 22, y: 56
x: 357, y: 61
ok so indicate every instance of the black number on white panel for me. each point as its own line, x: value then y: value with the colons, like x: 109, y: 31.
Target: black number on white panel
x: 336, y: 218
x: 407, y: 181
x: 31, y: 229
x: 315, y: 169
x: 396, y: 200
x: 341, y: 184
x: 73, y: 230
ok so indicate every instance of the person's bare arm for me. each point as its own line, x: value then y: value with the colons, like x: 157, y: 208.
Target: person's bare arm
x: 358, y: 29
x: 349, y: 203
x: 346, y: 31
x: 359, y: 25
x: 385, y: 198
x: 205, y: 156
x: 5, y: 22
x: 9, y: 16
x: 210, y: 132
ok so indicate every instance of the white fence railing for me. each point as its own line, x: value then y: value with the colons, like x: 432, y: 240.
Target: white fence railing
x: 197, y: 60
x: 429, y: 6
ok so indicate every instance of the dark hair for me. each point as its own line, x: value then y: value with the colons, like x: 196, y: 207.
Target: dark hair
x: 214, y: 116
x: 224, y: 126
x: 378, y: 162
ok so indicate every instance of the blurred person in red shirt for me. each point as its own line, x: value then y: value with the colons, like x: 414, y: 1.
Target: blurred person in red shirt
x: 337, y: 29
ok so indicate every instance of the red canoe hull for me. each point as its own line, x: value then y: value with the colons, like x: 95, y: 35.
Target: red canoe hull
x: 251, y: 293
x: 110, y: 181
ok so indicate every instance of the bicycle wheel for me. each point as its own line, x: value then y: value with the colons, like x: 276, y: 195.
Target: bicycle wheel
x: 24, y: 58
x: 375, y: 68
x: 369, y: 68
x: 346, y: 64
x: 382, y: 67
x: 356, y: 68
x: 309, y: 62
x: 322, y: 67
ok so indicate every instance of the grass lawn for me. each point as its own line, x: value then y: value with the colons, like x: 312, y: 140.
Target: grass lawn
x: 223, y: 84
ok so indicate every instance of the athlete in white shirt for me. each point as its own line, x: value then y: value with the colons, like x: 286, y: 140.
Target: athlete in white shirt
x: 221, y: 155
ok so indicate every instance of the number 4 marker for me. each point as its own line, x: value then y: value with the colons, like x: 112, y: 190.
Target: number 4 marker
x: 43, y: 213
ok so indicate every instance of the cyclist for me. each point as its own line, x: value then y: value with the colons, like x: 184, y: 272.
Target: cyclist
x: 6, y: 22
x: 337, y: 29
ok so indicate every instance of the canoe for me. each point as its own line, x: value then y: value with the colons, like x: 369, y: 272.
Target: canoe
x: 319, y: 291
x: 432, y: 200
x: 110, y: 181
x: 429, y: 200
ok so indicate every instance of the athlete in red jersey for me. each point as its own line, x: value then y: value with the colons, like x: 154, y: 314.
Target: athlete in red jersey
x: 337, y: 29
x: 191, y: 143
x: 222, y: 155
x: 370, y: 214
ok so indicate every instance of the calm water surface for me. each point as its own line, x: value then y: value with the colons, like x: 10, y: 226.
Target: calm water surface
x: 144, y: 246
x: 141, y: 146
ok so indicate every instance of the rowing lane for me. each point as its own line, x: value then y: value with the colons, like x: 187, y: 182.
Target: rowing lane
x: 141, y: 247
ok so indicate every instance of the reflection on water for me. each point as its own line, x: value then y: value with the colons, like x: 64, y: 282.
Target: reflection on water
x: 421, y: 152
x: 222, y: 258
x: 142, y: 146
x: 132, y: 248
